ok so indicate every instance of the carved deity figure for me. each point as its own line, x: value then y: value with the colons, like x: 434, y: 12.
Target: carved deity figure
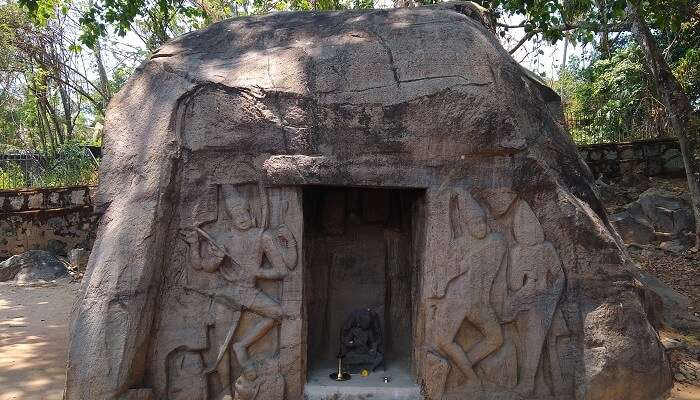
x: 237, y: 256
x: 259, y: 381
x: 476, y: 257
x: 361, y: 340
x: 535, y: 282
x: 247, y: 386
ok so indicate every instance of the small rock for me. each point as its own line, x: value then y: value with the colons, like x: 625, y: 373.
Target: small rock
x: 34, y: 266
x: 78, y: 258
x: 674, y: 246
x: 671, y: 344
x: 632, y: 230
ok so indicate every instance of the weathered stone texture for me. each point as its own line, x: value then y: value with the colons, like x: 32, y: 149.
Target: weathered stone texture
x: 660, y: 157
x: 53, y: 219
x: 208, y: 149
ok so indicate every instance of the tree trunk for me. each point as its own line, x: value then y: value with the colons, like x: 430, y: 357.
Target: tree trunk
x: 67, y: 112
x: 104, y: 80
x: 675, y: 102
x: 563, y: 68
x: 604, y: 34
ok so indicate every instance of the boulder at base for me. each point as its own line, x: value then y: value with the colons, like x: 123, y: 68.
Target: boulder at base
x: 33, y: 266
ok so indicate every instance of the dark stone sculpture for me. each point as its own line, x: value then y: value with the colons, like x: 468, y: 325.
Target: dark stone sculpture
x: 361, y: 341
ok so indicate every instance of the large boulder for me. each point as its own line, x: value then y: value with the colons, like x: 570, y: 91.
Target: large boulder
x: 224, y: 135
x: 667, y: 307
x: 668, y: 213
x: 656, y: 215
x: 633, y: 229
x: 33, y: 266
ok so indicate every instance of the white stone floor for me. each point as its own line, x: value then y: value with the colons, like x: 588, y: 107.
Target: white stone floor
x: 401, y: 385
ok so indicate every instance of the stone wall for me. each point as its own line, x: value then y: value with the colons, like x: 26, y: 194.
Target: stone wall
x: 661, y: 157
x: 52, y: 219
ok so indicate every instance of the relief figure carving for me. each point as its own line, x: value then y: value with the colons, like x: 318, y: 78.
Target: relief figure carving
x: 260, y: 380
x: 236, y: 256
x: 475, y: 259
x: 535, y: 283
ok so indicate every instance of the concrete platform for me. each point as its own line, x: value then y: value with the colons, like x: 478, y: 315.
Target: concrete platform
x: 400, y: 387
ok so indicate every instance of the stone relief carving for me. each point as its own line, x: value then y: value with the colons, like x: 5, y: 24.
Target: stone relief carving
x: 232, y: 251
x: 558, y: 329
x: 534, y: 281
x: 260, y: 380
x: 474, y: 263
x: 183, y: 367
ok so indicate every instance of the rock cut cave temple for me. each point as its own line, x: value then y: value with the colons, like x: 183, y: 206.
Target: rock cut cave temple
x: 267, y: 177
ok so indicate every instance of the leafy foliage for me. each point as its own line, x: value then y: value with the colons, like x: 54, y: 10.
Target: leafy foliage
x: 155, y: 21
x: 688, y: 72
x: 71, y: 165
x: 615, y: 97
x: 11, y: 176
x: 613, y: 100
x: 45, y: 94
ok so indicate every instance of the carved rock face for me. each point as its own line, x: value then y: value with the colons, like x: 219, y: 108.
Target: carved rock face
x: 186, y: 288
x: 526, y: 228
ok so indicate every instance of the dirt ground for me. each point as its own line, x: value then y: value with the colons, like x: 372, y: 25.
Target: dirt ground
x: 34, y: 340
x: 682, y: 391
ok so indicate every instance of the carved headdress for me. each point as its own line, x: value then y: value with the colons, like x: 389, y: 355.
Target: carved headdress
x: 468, y: 207
x: 232, y: 198
x: 463, y: 208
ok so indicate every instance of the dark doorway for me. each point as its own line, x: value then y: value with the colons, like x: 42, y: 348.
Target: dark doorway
x: 360, y: 252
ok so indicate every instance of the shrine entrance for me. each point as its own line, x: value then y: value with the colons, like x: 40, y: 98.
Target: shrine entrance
x: 361, y: 281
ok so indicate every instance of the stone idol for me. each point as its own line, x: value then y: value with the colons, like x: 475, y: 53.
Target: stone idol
x: 268, y: 180
x: 361, y: 342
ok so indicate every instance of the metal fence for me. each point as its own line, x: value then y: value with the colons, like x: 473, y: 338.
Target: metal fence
x: 71, y: 166
x: 584, y: 131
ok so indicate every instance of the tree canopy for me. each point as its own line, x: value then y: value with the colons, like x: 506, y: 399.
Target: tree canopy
x: 62, y: 59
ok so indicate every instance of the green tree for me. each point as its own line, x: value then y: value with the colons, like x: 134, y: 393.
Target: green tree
x: 46, y: 95
x: 156, y: 21
x: 582, y: 20
x: 613, y: 98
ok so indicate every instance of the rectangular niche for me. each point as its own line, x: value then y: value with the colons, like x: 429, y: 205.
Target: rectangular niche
x: 360, y: 252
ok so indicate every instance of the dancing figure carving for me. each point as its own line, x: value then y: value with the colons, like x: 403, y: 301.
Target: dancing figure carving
x: 476, y: 258
x: 237, y: 257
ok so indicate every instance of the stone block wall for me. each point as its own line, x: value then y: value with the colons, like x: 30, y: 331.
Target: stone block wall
x: 52, y: 219
x: 660, y: 157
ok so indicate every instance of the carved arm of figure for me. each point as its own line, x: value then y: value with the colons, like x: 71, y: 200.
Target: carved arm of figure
x: 522, y: 274
x: 522, y: 283
x: 288, y: 246
x: 553, y: 277
x: 208, y: 262
x: 516, y: 277
x: 347, y: 336
x: 280, y: 247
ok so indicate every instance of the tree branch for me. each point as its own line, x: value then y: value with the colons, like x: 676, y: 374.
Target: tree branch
x: 522, y: 41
